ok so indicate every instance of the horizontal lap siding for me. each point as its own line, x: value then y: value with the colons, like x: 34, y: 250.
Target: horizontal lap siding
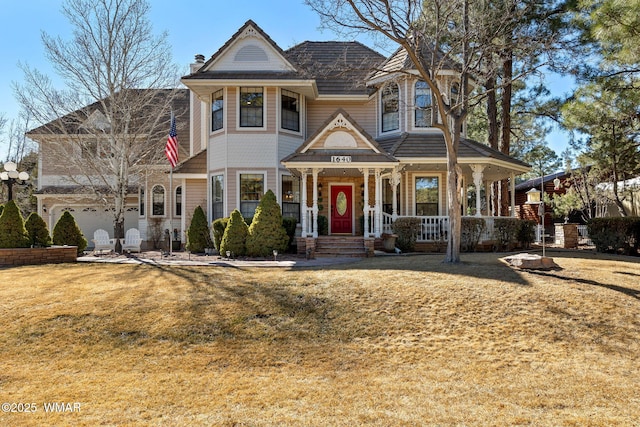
x: 362, y: 113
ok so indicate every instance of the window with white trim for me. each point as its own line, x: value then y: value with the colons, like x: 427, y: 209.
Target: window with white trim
x: 251, y: 107
x: 178, y: 199
x: 157, y: 200
x: 390, y: 101
x: 290, y: 199
x: 290, y: 110
x: 251, y: 190
x: 423, y: 105
x: 141, y: 200
x: 217, y: 196
x: 427, y: 194
x: 217, y: 110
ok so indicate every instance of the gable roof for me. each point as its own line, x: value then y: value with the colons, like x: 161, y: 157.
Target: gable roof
x: 340, y: 118
x: 336, y: 67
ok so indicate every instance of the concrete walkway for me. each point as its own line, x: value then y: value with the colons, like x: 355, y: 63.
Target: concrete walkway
x: 186, y: 259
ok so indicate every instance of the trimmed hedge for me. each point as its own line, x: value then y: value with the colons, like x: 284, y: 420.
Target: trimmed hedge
x: 38, y: 231
x: 235, y: 235
x: 198, y: 234
x: 266, y: 232
x: 13, y: 233
x: 471, y: 230
x: 67, y: 232
x: 615, y: 234
x: 407, y: 229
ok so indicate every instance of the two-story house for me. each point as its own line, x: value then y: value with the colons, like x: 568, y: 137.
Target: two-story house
x: 334, y: 129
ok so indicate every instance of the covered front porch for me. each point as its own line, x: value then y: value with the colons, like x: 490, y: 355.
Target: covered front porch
x: 348, y: 200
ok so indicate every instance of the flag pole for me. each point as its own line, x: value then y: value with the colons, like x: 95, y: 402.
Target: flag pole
x: 170, y: 211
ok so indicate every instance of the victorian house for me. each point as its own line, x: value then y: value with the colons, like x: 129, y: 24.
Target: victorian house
x: 334, y: 129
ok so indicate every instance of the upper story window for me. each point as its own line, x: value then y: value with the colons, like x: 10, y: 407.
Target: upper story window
x: 251, y: 107
x: 390, y: 107
x: 290, y: 104
x: 217, y: 110
x: 423, y: 105
x: 157, y: 200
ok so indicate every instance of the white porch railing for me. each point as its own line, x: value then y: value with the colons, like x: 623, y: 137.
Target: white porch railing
x: 371, y: 216
x: 308, y: 213
x: 436, y: 228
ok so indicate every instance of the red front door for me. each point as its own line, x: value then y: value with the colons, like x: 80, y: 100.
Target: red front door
x: 341, y: 209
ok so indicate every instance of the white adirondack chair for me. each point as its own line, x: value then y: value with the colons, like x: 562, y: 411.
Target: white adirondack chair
x: 102, y: 241
x: 132, y: 240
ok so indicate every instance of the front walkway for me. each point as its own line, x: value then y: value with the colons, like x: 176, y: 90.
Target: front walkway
x: 187, y: 259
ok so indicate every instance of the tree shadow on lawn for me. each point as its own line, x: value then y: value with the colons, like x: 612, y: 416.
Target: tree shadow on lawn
x: 634, y: 293
x: 472, y: 266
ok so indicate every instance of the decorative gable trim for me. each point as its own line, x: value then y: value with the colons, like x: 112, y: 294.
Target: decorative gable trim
x: 331, y: 136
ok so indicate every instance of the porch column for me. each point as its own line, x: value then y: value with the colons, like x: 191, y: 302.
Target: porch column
x: 394, y: 181
x: 477, y: 182
x: 512, y: 184
x: 365, y: 209
x: 303, y: 202
x: 487, y: 196
x: 315, y: 202
x: 378, y: 206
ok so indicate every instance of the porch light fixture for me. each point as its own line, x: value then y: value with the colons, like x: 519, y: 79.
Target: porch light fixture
x: 556, y: 184
x: 319, y: 189
x: 11, y: 176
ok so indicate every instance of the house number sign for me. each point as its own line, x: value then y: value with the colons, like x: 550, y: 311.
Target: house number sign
x: 340, y: 159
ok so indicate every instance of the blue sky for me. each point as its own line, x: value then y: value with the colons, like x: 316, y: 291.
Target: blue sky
x: 194, y: 26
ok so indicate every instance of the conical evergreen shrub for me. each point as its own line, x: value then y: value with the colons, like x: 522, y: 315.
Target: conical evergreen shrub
x: 37, y: 230
x: 12, y: 231
x: 67, y: 232
x: 266, y: 232
x: 198, y: 233
x: 235, y: 235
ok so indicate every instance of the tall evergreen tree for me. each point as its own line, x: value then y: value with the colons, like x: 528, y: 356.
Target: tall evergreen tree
x: 13, y: 234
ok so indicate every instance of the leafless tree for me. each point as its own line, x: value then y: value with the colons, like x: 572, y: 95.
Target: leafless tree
x: 440, y: 35
x: 110, y: 121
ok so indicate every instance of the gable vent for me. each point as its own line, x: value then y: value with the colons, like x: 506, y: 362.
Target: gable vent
x: 251, y: 53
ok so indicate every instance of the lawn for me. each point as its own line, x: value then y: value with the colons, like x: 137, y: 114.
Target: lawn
x: 390, y: 341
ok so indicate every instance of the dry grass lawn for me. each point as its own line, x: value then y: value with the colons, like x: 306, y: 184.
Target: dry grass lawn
x: 392, y: 341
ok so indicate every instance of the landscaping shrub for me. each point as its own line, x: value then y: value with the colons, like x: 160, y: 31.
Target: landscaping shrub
x: 526, y: 233
x: 323, y: 225
x: 407, y: 230
x: 289, y: 225
x: 615, y: 234
x: 471, y: 231
x: 505, y: 232
x: 218, y: 226
x: 235, y: 235
x: 37, y: 230
x: 198, y: 233
x: 67, y: 232
x: 13, y: 234
x: 266, y: 232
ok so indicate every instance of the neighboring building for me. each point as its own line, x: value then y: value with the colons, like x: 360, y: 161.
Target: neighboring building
x: 529, y: 195
x: 326, y: 134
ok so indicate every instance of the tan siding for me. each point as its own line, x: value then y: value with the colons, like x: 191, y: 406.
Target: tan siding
x: 195, y: 195
x: 319, y: 111
x: 196, y: 124
x: 272, y: 108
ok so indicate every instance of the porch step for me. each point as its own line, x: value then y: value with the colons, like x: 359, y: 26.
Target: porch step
x: 340, y: 246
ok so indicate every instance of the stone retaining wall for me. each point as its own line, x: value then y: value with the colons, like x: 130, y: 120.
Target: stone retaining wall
x: 34, y: 256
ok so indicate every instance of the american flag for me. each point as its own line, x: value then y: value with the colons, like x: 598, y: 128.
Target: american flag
x: 171, y: 150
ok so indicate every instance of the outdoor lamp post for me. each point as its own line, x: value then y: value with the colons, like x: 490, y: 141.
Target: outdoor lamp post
x: 10, y: 176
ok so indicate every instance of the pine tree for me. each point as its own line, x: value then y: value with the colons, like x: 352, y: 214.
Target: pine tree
x: 13, y: 234
x: 266, y: 233
x: 67, y: 232
x: 199, y: 234
x: 37, y: 231
x: 235, y: 235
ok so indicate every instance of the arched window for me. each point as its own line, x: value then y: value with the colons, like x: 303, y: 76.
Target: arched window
x: 423, y: 105
x: 178, y: 203
x: 390, y: 100
x: 157, y: 200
